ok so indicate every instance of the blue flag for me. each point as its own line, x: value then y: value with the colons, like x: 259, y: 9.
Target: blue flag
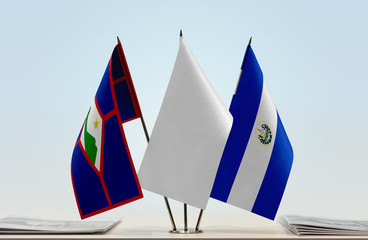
x: 102, y: 170
x: 258, y: 156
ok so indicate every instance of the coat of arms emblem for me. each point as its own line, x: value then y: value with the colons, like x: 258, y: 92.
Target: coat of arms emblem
x: 264, y: 134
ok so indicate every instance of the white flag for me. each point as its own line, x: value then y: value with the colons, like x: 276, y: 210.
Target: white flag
x: 188, y: 138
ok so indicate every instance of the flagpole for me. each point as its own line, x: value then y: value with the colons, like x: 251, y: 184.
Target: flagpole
x: 241, y: 71
x: 165, y: 198
x: 147, y: 138
x: 170, y: 213
x: 185, y: 218
x: 199, y: 220
x: 185, y: 205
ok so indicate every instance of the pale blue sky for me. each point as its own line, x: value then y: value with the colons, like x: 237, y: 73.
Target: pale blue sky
x: 313, y: 55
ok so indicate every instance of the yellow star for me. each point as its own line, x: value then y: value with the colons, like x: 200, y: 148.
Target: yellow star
x: 96, y: 124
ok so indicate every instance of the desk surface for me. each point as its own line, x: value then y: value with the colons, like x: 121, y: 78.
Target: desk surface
x: 219, y: 226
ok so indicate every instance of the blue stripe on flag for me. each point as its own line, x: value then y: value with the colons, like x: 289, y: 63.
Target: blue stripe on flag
x: 104, y: 95
x: 87, y: 185
x: 277, y: 174
x: 244, y: 109
x: 117, y: 170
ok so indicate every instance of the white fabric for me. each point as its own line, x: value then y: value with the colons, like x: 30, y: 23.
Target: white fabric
x: 256, y: 157
x: 188, y: 138
x: 95, y: 131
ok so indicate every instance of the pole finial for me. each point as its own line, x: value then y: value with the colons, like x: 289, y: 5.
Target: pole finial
x: 118, y: 39
x: 181, y: 33
x: 250, y: 41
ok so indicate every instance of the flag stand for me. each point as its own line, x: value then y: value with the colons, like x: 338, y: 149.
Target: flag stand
x: 186, y: 230
x: 174, y: 229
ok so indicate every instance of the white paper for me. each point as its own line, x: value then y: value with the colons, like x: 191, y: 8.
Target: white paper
x: 35, y: 225
x: 188, y: 138
x: 322, y: 226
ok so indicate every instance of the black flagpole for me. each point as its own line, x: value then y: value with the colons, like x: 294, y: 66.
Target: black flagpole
x: 185, y: 205
x: 147, y: 138
x: 245, y: 59
x: 165, y: 198
x: 199, y: 220
x: 185, y: 218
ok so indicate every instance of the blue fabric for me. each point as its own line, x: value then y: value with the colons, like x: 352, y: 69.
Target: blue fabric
x: 124, y: 100
x: 117, y: 171
x: 244, y: 108
x: 116, y: 65
x: 276, y: 177
x: 104, y: 95
x: 87, y: 184
x: 245, y: 57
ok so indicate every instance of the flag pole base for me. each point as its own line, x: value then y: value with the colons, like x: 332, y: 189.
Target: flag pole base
x: 182, y: 231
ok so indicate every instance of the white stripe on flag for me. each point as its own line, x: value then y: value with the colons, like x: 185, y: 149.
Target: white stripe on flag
x: 256, y: 157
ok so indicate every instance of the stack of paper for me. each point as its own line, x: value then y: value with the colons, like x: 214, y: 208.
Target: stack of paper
x: 43, y: 226
x: 322, y: 226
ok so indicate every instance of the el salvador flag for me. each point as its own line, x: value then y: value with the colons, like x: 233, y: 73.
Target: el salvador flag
x: 258, y: 156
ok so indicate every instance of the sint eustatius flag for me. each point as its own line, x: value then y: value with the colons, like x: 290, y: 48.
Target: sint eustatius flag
x: 258, y: 156
x: 102, y: 170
